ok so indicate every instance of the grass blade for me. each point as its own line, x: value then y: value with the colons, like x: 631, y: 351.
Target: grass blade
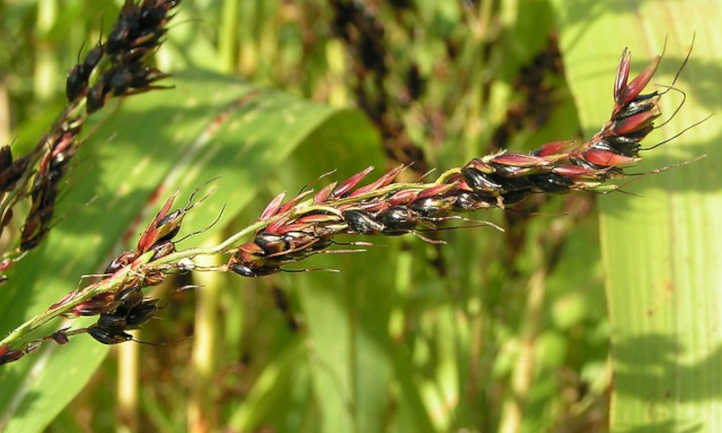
x: 660, y: 249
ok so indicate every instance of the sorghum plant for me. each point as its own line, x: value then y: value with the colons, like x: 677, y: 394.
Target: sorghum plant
x: 308, y: 224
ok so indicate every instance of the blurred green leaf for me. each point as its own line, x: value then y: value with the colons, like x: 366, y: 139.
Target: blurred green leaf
x: 660, y: 249
x: 351, y: 356
x: 347, y: 314
x: 208, y: 127
x: 268, y: 391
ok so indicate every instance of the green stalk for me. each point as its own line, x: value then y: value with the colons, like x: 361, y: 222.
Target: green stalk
x: 4, y: 114
x: 127, y: 385
x: 201, y: 418
x: 46, y: 65
x: 228, y: 36
x: 523, y: 373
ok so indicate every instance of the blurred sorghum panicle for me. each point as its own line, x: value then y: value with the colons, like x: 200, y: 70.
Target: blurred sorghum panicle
x: 364, y: 35
x: 535, y: 84
x: 492, y: 181
x: 120, y: 66
x: 137, y: 33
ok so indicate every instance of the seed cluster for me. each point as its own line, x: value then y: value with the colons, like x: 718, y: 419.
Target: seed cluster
x: 62, y: 144
x: 132, y: 311
x: 124, y: 308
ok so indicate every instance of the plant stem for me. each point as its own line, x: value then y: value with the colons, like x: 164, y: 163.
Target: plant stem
x: 127, y: 405
x: 513, y: 407
x: 200, y: 406
x: 228, y: 36
x: 4, y: 113
x: 46, y: 66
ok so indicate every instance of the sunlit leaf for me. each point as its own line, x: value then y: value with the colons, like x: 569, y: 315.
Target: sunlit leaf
x: 660, y: 246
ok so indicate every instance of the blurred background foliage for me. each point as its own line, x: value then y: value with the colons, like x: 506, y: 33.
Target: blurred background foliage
x: 492, y: 332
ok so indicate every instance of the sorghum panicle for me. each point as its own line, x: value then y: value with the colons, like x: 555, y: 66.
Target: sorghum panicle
x: 491, y: 181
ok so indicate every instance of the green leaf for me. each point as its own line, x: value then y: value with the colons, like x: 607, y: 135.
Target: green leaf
x: 269, y: 390
x: 661, y: 248
x: 347, y: 315
x: 208, y: 127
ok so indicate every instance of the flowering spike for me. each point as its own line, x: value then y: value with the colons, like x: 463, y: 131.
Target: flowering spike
x: 380, y: 182
x: 351, y: 182
x: 323, y: 195
x: 635, y: 87
x: 294, y: 231
x: 620, y: 81
x: 272, y: 207
x: 150, y: 236
x: 605, y: 158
